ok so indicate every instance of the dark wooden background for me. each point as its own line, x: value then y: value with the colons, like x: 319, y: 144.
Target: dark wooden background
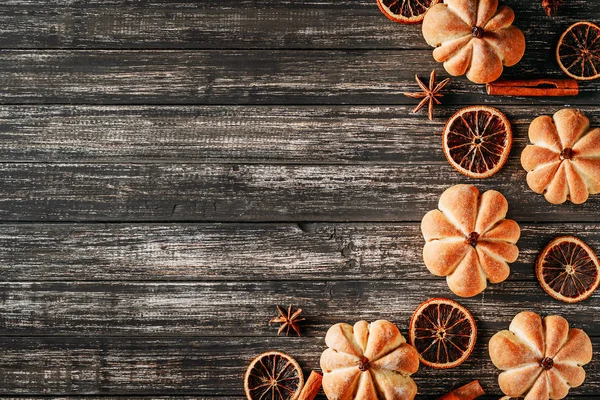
x: 172, y: 170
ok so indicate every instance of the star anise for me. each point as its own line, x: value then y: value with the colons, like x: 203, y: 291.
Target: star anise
x: 429, y: 93
x: 288, y: 320
x: 551, y: 6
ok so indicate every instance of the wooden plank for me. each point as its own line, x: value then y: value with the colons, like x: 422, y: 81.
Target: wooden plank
x: 245, y: 77
x: 203, y: 366
x: 240, y: 24
x: 238, y: 252
x: 262, y: 193
x: 249, y: 134
x: 244, y: 308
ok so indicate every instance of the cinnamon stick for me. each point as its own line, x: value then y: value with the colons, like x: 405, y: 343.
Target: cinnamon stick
x: 311, y: 387
x: 469, y: 391
x: 449, y: 396
x: 534, y: 88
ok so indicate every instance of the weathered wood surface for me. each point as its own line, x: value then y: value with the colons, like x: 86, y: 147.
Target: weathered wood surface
x: 244, y: 308
x: 247, y: 77
x: 193, y: 365
x: 232, y: 148
x: 251, y: 192
x: 245, y: 134
x: 245, y: 24
x: 239, y: 252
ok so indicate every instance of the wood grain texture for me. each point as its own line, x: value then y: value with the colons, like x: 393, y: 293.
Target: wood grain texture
x: 244, y: 308
x: 244, y: 24
x: 239, y: 252
x: 257, y: 193
x: 138, y: 366
x: 229, y: 134
x: 247, y: 77
x: 173, y: 169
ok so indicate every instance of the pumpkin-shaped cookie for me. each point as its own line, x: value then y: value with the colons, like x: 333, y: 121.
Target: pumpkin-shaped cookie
x: 368, y: 361
x: 564, y: 161
x: 474, y: 37
x: 540, y: 359
x: 468, y: 239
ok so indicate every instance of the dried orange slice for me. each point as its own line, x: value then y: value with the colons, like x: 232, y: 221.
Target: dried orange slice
x: 443, y: 332
x: 273, y: 376
x: 578, y: 51
x: 406, y: 11
x: 568, y: 269
x: 477, y: 141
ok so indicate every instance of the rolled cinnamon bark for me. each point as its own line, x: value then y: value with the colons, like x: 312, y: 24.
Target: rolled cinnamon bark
x: 311, y: 387
x: 534, y: 88
x: 449, y: 396
x: 470, y: 391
